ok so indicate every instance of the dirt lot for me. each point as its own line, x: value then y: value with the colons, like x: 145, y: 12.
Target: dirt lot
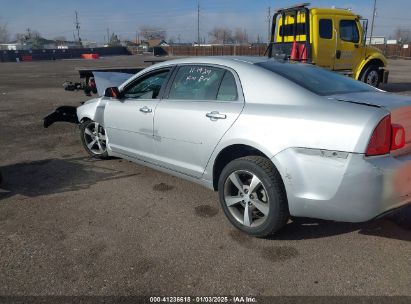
x: 71, y: 225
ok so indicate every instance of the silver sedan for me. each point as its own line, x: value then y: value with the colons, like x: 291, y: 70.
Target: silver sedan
x: 273, y: 138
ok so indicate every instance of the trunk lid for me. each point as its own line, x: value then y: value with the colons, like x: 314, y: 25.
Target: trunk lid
x: 398, y: 105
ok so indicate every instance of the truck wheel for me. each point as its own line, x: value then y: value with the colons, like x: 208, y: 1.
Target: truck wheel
x: 252, y: 196
x: 93, y: 138
x: 371, y: 75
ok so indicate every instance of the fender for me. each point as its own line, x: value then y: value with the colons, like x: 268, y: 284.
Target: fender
x: 363, y: 63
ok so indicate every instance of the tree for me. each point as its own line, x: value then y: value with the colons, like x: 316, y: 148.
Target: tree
x: 402, y: 35
x: 4, y: 34
x: 240, y: 36
x: 221, y: 35
x: 151, y: 32
x: 30, y: 37
x: 35, y: 39
x: 114, y: 41
x: 60, y: 39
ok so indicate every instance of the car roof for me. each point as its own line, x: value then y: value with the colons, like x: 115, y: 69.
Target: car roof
x: 230, y: 61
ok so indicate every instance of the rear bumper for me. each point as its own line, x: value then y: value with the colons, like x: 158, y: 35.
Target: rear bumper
x: 343, y: 187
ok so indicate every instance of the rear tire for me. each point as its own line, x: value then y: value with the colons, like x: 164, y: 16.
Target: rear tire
x: 93, y: 138
x: 371, y: 75
x: 252, y: 196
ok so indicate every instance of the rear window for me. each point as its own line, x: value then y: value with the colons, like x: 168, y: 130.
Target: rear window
x: 292, y: 29
x: 317, y: 80
x: 326, y: 28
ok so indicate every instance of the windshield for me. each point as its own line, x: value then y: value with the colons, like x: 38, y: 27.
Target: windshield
x: 317, y: 80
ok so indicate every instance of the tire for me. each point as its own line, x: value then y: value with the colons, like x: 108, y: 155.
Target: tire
x: 264, y: 198
x: 94, y: 142
x: 371, y: 75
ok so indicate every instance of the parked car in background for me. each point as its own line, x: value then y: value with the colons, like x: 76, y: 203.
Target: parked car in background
x: 274, y: 138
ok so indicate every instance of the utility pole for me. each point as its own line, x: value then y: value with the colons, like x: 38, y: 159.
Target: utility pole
x: 372, y: 22
x: 269, y: 24
x: 78, y: 27
x: 198, y: 22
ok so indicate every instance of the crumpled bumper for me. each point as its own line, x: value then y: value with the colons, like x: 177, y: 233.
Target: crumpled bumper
x: 63, y: 113
x: 343, y: 186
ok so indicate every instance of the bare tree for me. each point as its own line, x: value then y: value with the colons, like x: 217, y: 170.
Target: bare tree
x: 31, y: 37
x: 151, y: 32
x: 402, y: 35
x: 114, y: 40
x: 221, y: 35
x: 240, y: 36
x: 60, y: 39
x: 4, y: 34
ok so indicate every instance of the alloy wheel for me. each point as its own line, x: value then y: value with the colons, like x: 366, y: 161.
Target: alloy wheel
x: 95, y: 138
x: 246, y: 198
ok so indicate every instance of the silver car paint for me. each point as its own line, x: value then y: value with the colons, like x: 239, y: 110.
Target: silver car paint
x: 317, y: 143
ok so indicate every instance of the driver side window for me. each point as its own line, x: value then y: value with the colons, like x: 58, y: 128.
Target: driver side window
x: 147, y: 88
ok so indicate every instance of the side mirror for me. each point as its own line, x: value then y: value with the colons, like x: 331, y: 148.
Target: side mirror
x: 112, y: 92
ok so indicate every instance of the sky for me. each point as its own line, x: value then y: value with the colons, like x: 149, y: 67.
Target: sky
x: 54, y: 18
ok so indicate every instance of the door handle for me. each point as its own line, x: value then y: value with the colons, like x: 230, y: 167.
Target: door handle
x: 145, y: 110
x: 338, y: 54
x: 214, y: 115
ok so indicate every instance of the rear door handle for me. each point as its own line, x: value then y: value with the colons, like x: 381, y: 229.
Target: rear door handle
x: 216, y: 115
x: 145, y: 110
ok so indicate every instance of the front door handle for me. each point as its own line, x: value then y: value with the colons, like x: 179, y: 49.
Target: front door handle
x: 145, y: 110
x: 216, y: 115
x: 338, y: 54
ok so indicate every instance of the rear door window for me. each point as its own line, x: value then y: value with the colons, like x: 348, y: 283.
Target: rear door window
x: 196, y: 83
x: 326, y: 28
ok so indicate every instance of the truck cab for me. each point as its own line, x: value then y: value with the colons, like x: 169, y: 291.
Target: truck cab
x: 330, y: 38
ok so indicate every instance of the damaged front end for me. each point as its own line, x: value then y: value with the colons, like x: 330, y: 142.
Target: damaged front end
x: 63, y: 113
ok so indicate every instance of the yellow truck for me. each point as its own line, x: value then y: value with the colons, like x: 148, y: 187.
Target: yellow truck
x: 328, y: 37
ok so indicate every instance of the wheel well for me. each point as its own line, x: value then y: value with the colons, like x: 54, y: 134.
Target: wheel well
x: 84, y: 119
x: 229, y: 154
x: 377, y: 62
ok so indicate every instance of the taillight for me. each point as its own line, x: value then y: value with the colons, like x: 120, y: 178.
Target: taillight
x: 386, y: 138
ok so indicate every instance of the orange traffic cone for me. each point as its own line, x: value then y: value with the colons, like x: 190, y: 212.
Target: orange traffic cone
x: 294, y: 52
x: 302, y: 52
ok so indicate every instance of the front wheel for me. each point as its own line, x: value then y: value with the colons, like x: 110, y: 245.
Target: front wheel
x: 252, y: 196
x: 93, y: 138
x: 371, y: 76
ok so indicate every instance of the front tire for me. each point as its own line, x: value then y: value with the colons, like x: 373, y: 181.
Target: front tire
x: 94, y: 140
x: 252, y: 196
x: 371, y: 75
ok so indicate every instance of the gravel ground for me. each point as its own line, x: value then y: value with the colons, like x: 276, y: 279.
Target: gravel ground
x: 71, y: 225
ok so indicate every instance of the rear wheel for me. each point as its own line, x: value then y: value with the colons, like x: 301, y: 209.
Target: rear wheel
x: 371, y: 75
x: 252, y: 196
x: 93, y: 138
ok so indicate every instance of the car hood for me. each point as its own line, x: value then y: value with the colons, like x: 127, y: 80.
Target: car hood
x: 379, y: 99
